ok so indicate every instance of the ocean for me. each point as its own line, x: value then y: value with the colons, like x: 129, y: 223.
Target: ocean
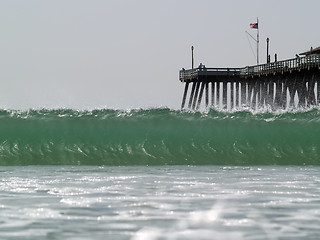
x: 159, y: 174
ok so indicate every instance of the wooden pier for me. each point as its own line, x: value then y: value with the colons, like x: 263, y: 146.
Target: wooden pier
x: 282, y: 84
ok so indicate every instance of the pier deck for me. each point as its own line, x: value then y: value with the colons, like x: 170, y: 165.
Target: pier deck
x: 277, y: 84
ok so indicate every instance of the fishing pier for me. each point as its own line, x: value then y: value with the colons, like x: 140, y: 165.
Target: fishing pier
x: 280, y: 84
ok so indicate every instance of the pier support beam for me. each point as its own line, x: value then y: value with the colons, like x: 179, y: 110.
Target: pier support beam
x: 184, y: 95
x: 207, y: 94
x: 311, y: 99
x: 264, y: 92
x: 231, y: 95
x: 292, y: 90
x: 302, y: 91
x: 200, y: 95
x: 255, y: 95
x: 284, y: 93
x: 196, y: 95
x: 224, y: 95
x: 192, y: 94
x: 213, y: 94
x: 218, y: 96
x: 237, y: 94
x: 270, y: 93
x: 243, y: 93
x: 250, y: 93
x: 278, y: 96
x: 260, y: 102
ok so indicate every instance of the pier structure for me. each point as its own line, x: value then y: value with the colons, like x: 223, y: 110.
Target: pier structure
x: 282, y: 84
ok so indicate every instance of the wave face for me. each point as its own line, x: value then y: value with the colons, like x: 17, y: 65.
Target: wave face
x: 158, y: 137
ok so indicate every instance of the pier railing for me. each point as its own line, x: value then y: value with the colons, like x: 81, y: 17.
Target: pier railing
x: 299, y: 63
x: 203, y: 72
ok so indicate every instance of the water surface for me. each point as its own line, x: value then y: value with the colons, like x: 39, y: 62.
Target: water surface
x: 160, y: 202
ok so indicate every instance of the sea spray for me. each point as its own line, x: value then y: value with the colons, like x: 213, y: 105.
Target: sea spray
x: 158, y: 137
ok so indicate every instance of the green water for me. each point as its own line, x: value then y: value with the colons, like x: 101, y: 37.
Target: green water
x: 158, y: 137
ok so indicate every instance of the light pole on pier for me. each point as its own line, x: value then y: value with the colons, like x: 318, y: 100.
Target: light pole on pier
x: 268, y: 50
x: 257, y: 41
x: 192, y: 61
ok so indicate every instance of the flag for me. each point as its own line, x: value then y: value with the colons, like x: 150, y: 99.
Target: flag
x: 254, y: 25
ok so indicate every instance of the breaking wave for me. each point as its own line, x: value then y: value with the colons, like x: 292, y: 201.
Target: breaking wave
x: 158, y: 137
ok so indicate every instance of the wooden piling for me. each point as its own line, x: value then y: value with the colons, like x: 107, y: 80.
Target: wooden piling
x: 184, y: 95
x: 311, y: 98
x: 213, y: 94
x: 232, y: 95
x: 196, y: 96
x: 243, y: 93
x: 192, y: 94
x: 224, y: 95
x: 218, y: 97
x: 200, y: 95
x: 207, y: 94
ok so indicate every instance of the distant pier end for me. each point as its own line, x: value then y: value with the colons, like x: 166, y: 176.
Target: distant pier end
x: 281, y: 84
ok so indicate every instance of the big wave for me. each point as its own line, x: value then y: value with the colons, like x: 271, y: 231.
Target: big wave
x: 159, y: 136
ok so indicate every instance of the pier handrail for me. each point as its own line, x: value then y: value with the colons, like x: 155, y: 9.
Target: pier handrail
x: 282, y: 66
x: 195, y: 72
x: 298, y: 63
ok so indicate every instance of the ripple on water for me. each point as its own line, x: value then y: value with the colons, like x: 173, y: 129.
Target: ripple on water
x: 160, y: 203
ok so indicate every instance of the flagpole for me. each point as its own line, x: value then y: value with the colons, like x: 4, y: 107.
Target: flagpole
x: 258, y: 42
x: 255, y: 26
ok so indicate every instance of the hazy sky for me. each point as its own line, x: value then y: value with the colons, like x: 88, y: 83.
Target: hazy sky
x: 87, y: 54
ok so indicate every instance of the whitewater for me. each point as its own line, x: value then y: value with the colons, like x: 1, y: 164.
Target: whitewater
x: 159, y: 174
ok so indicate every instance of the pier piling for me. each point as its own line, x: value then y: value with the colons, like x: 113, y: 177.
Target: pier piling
x: 207, y: 94
x: 196, y: 96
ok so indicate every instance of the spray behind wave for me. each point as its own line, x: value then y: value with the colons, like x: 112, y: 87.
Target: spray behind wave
x: 158, y: 137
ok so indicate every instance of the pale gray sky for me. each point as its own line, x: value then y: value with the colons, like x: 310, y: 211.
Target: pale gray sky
x: 87, y: 54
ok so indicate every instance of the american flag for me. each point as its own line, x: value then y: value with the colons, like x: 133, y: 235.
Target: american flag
x: 254, y: 25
